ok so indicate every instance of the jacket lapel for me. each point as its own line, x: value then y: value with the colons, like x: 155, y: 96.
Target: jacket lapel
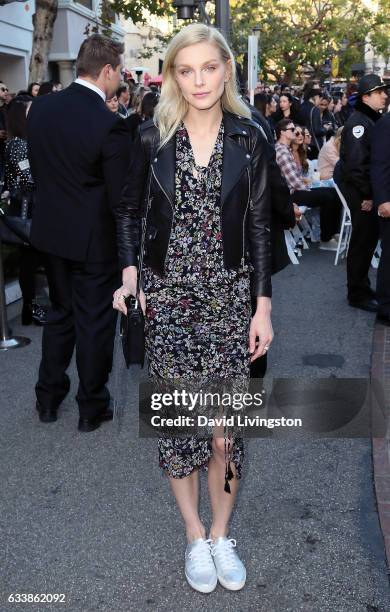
x: 164, y: 168
x: 235, y: 157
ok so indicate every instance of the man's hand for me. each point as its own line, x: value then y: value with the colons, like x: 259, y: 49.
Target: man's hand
x: 367, y: 205
x: 384, y: 210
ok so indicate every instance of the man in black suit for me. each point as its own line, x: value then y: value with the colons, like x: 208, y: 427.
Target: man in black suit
x: 79, y: 154
x: 380, y: 178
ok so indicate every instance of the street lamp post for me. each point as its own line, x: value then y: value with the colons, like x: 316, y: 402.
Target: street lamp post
x: 186, y: 9
x: 222, y: 17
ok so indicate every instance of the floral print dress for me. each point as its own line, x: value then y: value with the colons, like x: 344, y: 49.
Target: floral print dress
x: 198, y: 314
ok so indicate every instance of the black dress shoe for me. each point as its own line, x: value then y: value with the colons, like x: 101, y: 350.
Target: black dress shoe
x: 369, y: 304
x: 93, y: 423
x: 46, y: 415
x: 384, y: 319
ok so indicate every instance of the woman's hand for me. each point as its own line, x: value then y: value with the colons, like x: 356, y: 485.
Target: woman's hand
x: 260, y: 332
x: 129, y: 287
x: 297, y: 213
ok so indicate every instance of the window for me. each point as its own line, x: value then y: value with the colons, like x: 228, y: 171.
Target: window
x: 87, y: 3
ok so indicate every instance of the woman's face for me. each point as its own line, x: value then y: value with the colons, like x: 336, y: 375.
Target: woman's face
x: 298, y: 136
x: 273, y: 106
x: 338, y: 106
x: 34, y: 90
x: 284, y: 103
x: 344, y: 99
x: 201, y: 74
x: 331, y: 106
x: 324, y: 103
x: 113, y: 104
x: 307, y: 137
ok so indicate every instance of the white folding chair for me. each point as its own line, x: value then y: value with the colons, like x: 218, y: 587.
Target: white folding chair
x: 298, y: 236
x: 377, y: 255
x: 345, y: 229
x: 304, y: 224
x: 290, y: 244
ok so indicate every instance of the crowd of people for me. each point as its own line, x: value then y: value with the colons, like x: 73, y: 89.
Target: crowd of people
x: 190, y: 209
x: 338, y: 132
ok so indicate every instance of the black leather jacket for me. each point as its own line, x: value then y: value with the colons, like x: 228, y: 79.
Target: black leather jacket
x: 149, y: 192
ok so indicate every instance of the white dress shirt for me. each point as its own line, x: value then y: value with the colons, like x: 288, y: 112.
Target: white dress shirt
x: 91, y: 86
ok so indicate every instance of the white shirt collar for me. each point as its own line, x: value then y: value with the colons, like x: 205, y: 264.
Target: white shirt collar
x: 93, y: 87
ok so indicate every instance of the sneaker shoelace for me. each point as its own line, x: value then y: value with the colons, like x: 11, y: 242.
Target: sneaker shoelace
x: 224, y: 551
x: 201, y: 553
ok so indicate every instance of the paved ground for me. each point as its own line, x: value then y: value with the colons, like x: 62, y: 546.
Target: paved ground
x: 90, y: 515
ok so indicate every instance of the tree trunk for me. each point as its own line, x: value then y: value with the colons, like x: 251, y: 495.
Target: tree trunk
x: 43, y: 21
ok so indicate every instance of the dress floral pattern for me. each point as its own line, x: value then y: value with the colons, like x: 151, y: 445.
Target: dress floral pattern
x: 198, y: 314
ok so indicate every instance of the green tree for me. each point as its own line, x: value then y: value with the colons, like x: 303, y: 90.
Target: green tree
x: 299, y: 35
x: 138, y: 10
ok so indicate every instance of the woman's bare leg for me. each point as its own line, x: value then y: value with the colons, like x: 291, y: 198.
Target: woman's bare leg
x: 186, y: 492
x: 221, y: 502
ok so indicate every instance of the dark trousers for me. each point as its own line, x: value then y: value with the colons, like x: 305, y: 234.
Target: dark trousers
x: 327, y: 200
x: 364, y: 238
x: 383, y: 277
x: 30, y: 259
x: 81, y: 317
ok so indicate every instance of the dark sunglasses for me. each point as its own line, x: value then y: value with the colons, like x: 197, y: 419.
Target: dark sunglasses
x: 298, y: 133
x: 3, y: 88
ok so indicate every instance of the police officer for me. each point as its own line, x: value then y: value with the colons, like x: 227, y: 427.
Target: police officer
x: 380, y: 176
x: 355, y: 157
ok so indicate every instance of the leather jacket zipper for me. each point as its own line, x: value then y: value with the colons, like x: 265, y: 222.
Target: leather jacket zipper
x: 249, y: 203
x: 173, y: 215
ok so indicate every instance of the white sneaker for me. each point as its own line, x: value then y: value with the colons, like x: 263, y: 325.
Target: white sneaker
x: 231, y: 571
x: 199, y: 567
x: 331, y: 245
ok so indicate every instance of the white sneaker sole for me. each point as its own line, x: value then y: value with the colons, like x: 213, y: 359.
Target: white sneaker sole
x: 232, y: 586
x: 201, y: 588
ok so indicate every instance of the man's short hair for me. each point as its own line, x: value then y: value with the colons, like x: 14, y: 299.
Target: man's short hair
x: 121, y: 89
x: 95, y: 52
x: 281, y: 126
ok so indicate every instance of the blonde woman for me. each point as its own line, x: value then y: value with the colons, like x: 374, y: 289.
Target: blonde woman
x: 201, y: 165
x: 329, y: 155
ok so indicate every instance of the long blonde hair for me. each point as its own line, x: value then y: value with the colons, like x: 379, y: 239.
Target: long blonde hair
x: 172, y: 106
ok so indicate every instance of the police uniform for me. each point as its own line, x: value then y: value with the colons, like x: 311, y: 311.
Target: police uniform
x: 380, y: 176
x: 355, y: 158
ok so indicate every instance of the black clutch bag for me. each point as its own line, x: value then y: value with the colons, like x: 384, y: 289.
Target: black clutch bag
x: 132, y: 332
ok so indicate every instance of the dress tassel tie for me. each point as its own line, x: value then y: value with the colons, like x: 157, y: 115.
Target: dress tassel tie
x: 228, y: 470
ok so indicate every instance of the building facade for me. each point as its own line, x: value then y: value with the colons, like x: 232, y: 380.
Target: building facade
x: 16, y: 34
x: 141, y: 37
x: 74, y: 21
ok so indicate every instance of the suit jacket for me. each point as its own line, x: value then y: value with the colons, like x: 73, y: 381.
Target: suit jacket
x: 380, y: 161
x: 79, y: 154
